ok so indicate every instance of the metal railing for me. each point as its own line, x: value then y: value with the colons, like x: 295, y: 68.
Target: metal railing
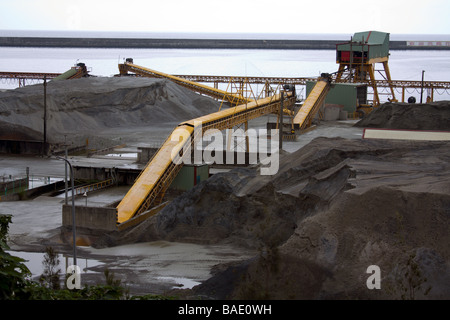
x: 93, y: 187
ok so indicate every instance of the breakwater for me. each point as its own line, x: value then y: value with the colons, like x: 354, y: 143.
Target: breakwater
x: 143, y: 43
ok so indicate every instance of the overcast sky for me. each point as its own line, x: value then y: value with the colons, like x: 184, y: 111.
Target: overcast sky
x: 228, y: 16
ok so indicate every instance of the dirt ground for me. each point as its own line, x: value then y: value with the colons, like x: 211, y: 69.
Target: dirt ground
x: 430, y: 116
x: 335, y: 207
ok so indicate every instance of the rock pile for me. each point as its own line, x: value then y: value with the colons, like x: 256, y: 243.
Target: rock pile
x: 87, y: 106
x: 429, y: 116
x: 335, y: 207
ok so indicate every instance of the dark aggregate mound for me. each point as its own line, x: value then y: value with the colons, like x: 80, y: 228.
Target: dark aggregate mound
x: 430, y: 116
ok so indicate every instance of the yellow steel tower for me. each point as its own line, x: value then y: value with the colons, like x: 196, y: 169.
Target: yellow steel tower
x: 358, y: 57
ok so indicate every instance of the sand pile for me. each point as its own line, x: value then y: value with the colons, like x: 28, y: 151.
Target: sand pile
x: 334, y: 208
x: 430, y: 116
x: 89, y: 105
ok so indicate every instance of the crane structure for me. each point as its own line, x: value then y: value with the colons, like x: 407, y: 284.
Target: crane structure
x: 357, y: 60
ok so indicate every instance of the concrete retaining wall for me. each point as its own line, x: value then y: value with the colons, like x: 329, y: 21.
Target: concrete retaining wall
x: 12, y: 185
x: 92, y: 173
x: 189, y: 43
x: 146, y: 154
x: 121, y: 176
x: 21, y: 147
x: 98, y: 218
x: 31, y: 193
x: 332, y: 112
x: 166, y: 43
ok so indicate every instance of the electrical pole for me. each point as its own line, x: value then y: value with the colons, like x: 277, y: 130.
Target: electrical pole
x: 45, y: 116
x: 74, y: 228
x: 280, y: 123
x: 65, y: 167
x: 421, y: 89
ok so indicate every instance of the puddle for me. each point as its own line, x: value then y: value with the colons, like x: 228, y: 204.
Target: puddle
x: 181, y: 283
x: 148, y: 266
x: 34, y: 262
x: 35, y: 182
x: 125, y: 155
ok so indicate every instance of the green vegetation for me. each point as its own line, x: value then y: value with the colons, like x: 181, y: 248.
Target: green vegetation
x: 16, y: 283
x: 13, y: 273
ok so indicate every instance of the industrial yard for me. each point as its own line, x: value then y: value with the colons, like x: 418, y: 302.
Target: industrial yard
x: 337, y: 201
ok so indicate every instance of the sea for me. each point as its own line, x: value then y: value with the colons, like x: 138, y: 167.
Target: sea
x: 433, y: 65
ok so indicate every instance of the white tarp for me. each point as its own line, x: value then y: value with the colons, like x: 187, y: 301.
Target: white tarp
x: 406, y: 134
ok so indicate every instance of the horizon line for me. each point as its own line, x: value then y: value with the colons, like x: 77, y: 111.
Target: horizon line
x: 208, y: 35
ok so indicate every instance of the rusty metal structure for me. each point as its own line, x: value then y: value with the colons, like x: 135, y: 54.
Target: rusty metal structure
x: 78, y: 71
x: 357, y: 61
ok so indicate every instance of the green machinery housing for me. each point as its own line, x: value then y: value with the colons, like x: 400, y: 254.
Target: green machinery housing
x: 189, y: 176
x: 357, y: 60
x: 349, y: 95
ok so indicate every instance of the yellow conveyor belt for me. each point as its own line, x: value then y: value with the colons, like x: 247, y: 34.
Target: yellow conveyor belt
x: 150, y: 186
x: 312, y: 104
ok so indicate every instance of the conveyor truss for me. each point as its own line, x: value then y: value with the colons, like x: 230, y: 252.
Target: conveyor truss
x: 149, y: 189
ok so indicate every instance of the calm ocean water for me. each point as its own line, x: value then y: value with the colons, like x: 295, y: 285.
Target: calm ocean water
x: 404, y: 65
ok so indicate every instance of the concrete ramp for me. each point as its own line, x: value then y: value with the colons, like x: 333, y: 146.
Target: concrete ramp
x: 395, y: 134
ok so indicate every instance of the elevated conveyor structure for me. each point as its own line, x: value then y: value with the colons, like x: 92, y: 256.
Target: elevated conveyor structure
x: 313, y: 102
x: 75, y: 72
x: 401, y: 86
x: 232, y: 99
x: 149, y: 188
x: 302, y: 119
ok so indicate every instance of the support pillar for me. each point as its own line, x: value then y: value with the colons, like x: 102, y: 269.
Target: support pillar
x: 388, y: 77
x: 376, y: 99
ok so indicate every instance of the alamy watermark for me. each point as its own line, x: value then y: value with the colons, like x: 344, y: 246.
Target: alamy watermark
x: 74, y: 277
x: 374, y: 280
x: 213, y: 146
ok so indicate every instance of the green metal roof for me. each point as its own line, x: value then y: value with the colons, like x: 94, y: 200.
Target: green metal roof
x: 371, y: 37
x: 375, y: 43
